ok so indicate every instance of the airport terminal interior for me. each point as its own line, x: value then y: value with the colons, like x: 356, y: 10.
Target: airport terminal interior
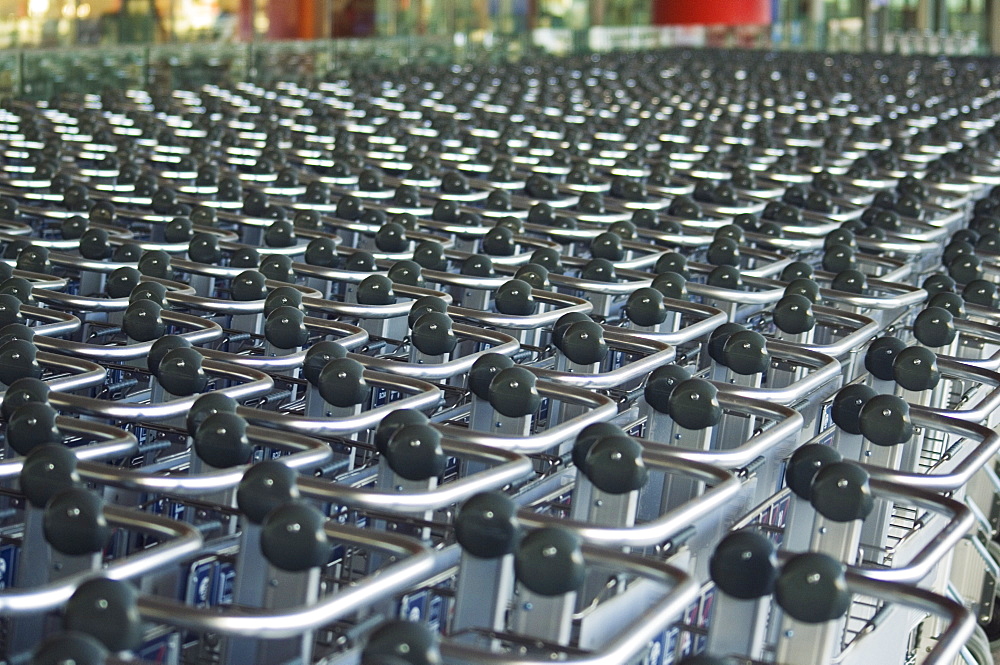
x: 499, y: 332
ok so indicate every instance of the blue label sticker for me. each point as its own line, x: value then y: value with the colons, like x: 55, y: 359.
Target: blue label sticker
x: 8, y: 565
x: 225, y: 584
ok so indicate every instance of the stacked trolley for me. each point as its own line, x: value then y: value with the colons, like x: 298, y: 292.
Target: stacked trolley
x: 632, y: 359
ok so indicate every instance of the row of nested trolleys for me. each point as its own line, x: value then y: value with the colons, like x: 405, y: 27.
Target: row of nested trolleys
x: 640, y: 358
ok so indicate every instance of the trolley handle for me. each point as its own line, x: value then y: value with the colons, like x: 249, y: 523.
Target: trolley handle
x: 306, y: 452
x: 179, y: 541
x: 418, y: 566
x: 110, y: 443
x: 252, y: 383
x: 600, y: 409
x: 498, y: 341
x: 423, y: 396
x: 656, y: 354
x: 825, y: 370
x: 787, y: 426
x: 963, y: 471
x: 723, y: 486
x: 680, y: 591
x: 509, y: 467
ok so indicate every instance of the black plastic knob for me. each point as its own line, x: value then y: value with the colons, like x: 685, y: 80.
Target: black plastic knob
x: 400, y: 642
x: 18, y: 360
x: 607, y: 246
x: 849, y: 281
x: 515, y: 298
x: 278, y: 268
x: 414, y: 452
x: 840, y: 492
x: 805, y: 463
x: 660, y: 386
x: 322, y: 252
x: 248, y: 285
x: 980, y: 292
x: 408, y: 273
x: 74, y: 522
x: 430, y: 255
x: 47, y: 470
x: 34, y: 259
x: 32, y: 425
x: 23, y: 391
x: 10, y: 310
x: 107, y: 610
x: 342, y: 383
x: 155, y: 263
x: 204, y: 248
x: 793, y: 314
x: 935, y: 327
x: 847, y: 404
x: 423, y: 305
x: 487, y: 526
x: 938, y: 283
x: 725, y: 277
x: 317, y: 357
x: 796, y: 270
x: 550, y: 562
x: 143, y: 321
x: 583, y: 343
x: 548, y: 258
x: 161, y: 347
x: 514, y: 393
x: 965, y: 268
x: 478, y: 265
x: 208, y: 405
x: 95, y: 244
x: 152, y: 291
x: 885, y: 420
x: 916, y: 368
x: 181, y: 373
x: 293, y: 538
x: 484, y: 370
x: 178, y: 230
x: 881, y: 357
x: 615, y: 465
x: 64, y: 648
x: 221, y: 441
x: 745, y: 352
x: 812, y: 588
x: 838, y: 258
x: 645, y: 307
x: 537, y: 276
x: 588, y: 438
x: 671, y: 285
x: 952, y: 302
x: 433, y: 334
x: 13, y: 331
x: 283, y: 296
x: 264, y: 487
x: 121, y: 281
x: 280, y: 234
x: 393, y: 422
x: 599, y: 270
x: 694, y: 404
x: 285, y: 328
x: 744, y: 565
x: 672, y: 262
x: 499, y: 241
x: 723, y: 252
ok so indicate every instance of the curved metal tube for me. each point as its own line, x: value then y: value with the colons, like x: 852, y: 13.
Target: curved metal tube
x: 723, y: 486
x: 185, y: 540
x: 306, y: 452
x: 509, y: 467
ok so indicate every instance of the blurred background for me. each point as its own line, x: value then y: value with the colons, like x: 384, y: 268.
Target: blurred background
x: 845, y: 24
x: 48, y: 47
